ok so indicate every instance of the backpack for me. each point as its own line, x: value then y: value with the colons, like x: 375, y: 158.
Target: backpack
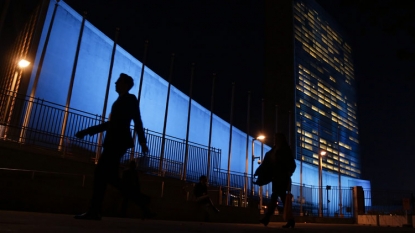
x: 274, y: 166
x: 265, y: 171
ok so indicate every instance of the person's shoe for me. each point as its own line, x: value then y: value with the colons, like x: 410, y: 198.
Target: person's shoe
x: 88, y: 216
x: 290, y: 224
x: 264, y: 221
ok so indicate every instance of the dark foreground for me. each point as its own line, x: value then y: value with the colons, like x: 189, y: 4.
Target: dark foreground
x: 12, y: 221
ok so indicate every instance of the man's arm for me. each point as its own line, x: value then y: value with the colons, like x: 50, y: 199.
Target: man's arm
x: 138, y: 126
x: 92, y: 130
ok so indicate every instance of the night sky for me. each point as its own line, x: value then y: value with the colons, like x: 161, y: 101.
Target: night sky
x: 227, y: 38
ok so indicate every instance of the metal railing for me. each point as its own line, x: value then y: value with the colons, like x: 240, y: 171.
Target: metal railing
x: 389, y: 202
x: 33, y: 173
x: 44, y: 129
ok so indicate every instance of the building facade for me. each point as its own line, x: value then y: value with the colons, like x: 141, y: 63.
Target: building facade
x: 310, y: 77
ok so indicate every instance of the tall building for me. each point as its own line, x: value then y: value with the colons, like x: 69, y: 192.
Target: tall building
x: 310, y: 88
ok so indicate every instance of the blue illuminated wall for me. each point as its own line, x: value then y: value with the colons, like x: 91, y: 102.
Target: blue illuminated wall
x: 90, y: 86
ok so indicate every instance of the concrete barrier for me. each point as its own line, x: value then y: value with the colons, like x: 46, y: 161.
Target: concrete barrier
x: 371, y: 220
x: 383, y: 220
x: 392, y: 221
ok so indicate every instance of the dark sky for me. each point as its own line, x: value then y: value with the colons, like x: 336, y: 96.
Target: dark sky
x: 227, y: 38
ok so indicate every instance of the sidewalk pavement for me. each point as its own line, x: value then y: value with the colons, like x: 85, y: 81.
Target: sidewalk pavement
x: 13, y: 221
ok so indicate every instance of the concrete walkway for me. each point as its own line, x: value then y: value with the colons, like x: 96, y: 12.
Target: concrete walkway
x: 12, y: 221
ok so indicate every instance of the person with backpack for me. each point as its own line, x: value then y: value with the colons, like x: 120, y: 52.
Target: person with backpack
x: 278, y: 167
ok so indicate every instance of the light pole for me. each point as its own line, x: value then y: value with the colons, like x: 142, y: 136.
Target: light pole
x: 12, y: 95
x: 260, y: 137
x: 320, y: 183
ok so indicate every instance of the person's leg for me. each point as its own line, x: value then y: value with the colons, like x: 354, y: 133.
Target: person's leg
x: 106, y: 170
x: 282, y: 193
x: 99, y: 186
x: 271, y: 205
x: 132, y: 194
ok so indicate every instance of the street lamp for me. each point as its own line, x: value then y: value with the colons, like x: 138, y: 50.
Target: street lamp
x: 320, y: 182
x: 23, y: 63
x: 260, y: 137
x: 11, y: 96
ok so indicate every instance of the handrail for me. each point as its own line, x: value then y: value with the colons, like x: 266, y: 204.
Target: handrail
x: 47, y: 172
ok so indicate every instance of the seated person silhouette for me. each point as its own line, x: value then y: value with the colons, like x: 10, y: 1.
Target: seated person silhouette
x: 202, y: 197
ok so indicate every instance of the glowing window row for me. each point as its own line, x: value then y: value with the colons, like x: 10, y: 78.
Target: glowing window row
x: 339, y: 120
x: 348, y: 122
x: 316, y: 52
x: 314, y: 16
x: 329, y: 91
x: 325, y: 40
x: 342, y: 119
x: 334, y: 93
x: 329, y: 164
x: 310, y: 140
x: 323, y: 56
x: 327, y: 102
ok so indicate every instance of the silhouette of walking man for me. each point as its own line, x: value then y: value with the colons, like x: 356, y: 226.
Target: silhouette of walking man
x: 116, y: 142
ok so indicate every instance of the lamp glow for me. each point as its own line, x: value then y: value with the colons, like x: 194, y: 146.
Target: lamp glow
x: 23, y: 63
x: 260, y: 137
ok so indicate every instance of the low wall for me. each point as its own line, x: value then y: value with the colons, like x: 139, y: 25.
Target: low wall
x: 385, y: 220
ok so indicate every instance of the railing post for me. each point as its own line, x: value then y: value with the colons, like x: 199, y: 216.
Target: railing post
x: 240, y: 198
x: 358, y: 202
x: 220, y: 195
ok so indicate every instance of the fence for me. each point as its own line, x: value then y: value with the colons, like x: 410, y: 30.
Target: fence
x: 389, y: 202
x: 44, y: 128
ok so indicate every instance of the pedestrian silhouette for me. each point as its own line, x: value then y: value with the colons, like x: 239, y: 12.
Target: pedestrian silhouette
x: 202, y: 197
x: 116, y: 142
x: 282, y: 163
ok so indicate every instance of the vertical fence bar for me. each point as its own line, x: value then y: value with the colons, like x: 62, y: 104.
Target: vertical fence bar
x: 247, y: 149
x: 210, y: 126
x: 139, y: 95
x: 104, y: 110
x: 165, y: 115
x: 230, y: 144
x: 68, y: 98
x: 186, y: 153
